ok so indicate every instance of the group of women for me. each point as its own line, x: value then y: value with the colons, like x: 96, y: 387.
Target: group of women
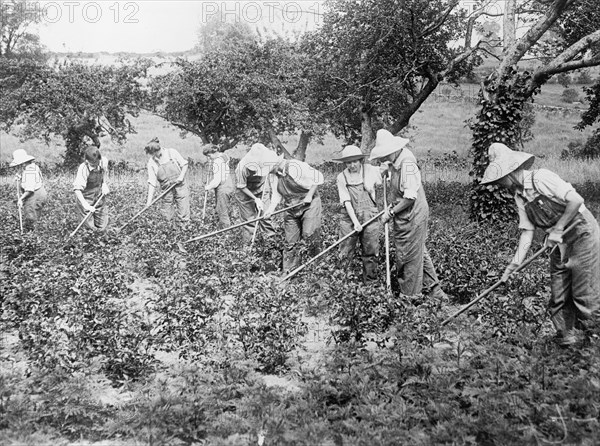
x: 263, y: 180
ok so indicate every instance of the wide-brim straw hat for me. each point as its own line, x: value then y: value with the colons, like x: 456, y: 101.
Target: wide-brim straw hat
x: 260, y: 159
x: 19, y: 157
x: 350, y: 153
x: 386, y: 144
x: 504, y: 161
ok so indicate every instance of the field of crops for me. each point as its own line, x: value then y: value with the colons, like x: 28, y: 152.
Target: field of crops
x: 122, y: 339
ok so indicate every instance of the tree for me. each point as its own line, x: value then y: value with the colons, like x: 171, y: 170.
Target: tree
x: 72, y: 100
x: 241, y: 93
x: 507, y: 91
x: 591, y: 116
x: 16, y: 39
x: 379, y: 60
x: 217, y: 33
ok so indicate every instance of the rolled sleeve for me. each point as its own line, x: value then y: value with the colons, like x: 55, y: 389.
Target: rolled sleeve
x: 218, y: 173
x: 304, y: 174
x: 175, y: 155
x: 241, y: 177
x: 152, y: 172
x: 410, y: 179
x: 81, y: 177
x: 551, y: 185
x: 524, y: 222
x: 342, y: 188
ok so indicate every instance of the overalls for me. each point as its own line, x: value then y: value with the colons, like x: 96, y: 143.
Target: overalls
x: 223, y: 196
x: 301, y: 222
x: 414, y: 267
x: 34, y: 203
x: 93, y: 189
x: 180, y: 194
x: 575, y: 272
x: 365, y: 208
x: 248, y: 211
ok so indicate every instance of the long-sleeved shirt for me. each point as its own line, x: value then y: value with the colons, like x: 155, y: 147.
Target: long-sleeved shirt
x: 409, y: 181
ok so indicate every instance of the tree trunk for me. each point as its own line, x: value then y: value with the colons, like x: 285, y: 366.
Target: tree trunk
x: 368, y: 135
x: 300, y: 152
x: 280, y: 148
x: 75, y: 141
x: 508, y: 26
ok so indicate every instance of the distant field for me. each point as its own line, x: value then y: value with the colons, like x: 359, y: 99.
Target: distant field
x: 439, y: 127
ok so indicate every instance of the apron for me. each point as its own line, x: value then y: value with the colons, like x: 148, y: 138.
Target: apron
x: 167, y: 172
x: 361, y: 200
x: 365, y: 208
x: 291, y: 191
x: 544, y: 212
x: 93, y: 187
x: 414, y: 267
x: 254, y: 182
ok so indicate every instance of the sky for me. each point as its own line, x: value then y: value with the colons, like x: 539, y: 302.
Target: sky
x: 145, y: 26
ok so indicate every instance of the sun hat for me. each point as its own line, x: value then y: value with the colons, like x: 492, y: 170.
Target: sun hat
x: 20, y: 157
x: 350, y: 153
x: 504, y: 161
x: 386, y: 144
x: 261, y: 159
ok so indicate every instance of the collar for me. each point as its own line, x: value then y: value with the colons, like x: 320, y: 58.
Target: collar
x: 398, y: 161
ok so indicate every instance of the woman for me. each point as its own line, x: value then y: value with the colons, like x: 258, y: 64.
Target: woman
x: 32, y: 193
x: 296, y: 182
x: 410, y: 212
x: 251, y: 181
x: 89, y: 185
x: 356, y: 189
x: 547, y: 202
x: 166, y: 167
x: 221, y: 182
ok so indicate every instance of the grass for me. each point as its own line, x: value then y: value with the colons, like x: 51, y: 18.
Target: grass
x: 438, y: 128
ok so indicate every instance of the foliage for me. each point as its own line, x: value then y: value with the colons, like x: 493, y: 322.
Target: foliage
x: 242, y: 93
x: 374, y: 58
x: 584, y: 78
x: 592, y: 114
x: 16, y: 39
x: 575, y: 26
x: 499, y: 120
x: 587, y: 150
x: 569, y: 95
x: 72, y: 100
x: 391, y: 375
x: 564, y: 79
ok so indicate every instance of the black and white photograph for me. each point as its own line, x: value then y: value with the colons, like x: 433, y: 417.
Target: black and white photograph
x: 299, y: 223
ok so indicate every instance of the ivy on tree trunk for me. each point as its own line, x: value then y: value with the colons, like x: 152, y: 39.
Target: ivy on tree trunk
x: 499, y: 120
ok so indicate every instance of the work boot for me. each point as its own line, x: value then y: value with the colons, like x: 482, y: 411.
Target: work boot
x: 566, y: 339
x: 438, y: 294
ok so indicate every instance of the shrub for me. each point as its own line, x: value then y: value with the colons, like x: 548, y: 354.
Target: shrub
x: 579, y: 150
x: 569, y: 95
x: 584, y: 78
x: 564, y: 79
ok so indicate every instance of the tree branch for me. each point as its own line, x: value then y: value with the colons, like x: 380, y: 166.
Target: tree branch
x: 565, y: 61
x: 516, y: 51
x: 472, y: 19
x: 437, y: 25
